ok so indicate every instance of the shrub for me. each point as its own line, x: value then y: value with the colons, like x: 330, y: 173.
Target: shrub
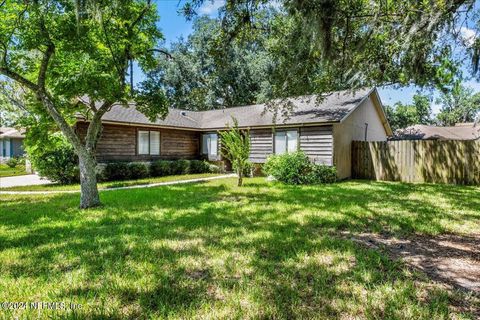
x: 116, y: 171
x: 296, y: 168
x: 180, y: 167
x: 12, y: 162
x: 290, y: 168
x: 137, y: 170
x: 325, y: 174
x: 161, y: 168
x: 213, y: 168
x: 57, y: 163
x: 199, y: 166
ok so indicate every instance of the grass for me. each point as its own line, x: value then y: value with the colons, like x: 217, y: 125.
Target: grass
x: 6, y: 171
x: 111, y: 184
x: 213, y: 250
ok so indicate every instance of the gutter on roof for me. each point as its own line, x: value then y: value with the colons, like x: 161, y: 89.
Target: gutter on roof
x: 137, y: 124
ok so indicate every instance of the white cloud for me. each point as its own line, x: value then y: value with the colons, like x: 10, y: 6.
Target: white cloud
x: 468, y: 35
x: 211, y: 6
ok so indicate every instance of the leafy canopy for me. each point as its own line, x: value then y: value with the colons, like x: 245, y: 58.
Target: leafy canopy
x: 206, y: 72
x: 91, y: 44
x: 460, y: 104
x: 404, y: 115
x: 324, y: 45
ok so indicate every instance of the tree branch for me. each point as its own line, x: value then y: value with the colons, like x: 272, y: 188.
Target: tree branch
x: 17, y: 77
x: 93, y: 131
x: 42, y: 72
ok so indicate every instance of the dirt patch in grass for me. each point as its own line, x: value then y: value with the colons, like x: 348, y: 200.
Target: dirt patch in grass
x: 451, y: 260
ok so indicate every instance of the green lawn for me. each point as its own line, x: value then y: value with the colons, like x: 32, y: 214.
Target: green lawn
x: 111, y: 184
x: 6, y: 171
x: 213, y: 250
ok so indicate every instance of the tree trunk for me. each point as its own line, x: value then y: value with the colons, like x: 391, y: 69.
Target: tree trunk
x: 88, y: 182
x: 240, y: 177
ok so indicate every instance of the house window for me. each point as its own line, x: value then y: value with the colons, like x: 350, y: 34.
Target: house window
x: 210, y: 144
x: 286, y: 141
x: 149, y: 142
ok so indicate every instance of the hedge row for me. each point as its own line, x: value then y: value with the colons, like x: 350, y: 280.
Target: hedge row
x: 115, y: 171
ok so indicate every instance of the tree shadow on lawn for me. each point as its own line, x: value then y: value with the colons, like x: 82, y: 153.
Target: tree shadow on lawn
x: 210, y: 249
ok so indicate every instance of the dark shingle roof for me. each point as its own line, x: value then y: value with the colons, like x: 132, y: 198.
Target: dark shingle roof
x: 175, y: 118
x: 332, y: 107
x: 424, y: 132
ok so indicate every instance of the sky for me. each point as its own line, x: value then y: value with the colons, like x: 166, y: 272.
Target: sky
x: 174, y: 26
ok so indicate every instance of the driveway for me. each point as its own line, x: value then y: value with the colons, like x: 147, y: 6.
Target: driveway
x: 26, y: 180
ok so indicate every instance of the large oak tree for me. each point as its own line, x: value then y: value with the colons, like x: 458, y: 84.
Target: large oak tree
x: 74, y: 56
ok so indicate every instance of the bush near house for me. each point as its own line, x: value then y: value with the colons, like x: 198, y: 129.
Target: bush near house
x: 12, y: 162
x: 296, y: 168
x: 135, y: 170
x: 58, y: 162
x: 160, y: 168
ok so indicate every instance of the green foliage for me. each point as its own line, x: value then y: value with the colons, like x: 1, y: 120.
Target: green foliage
x: 324, y: 174
x: 235, y: 146
x: 291, y: 247
x: 161, y: 168
x: 296, y: 168
x: 290, y: 168
x: 199, y: 166
x: 12, y: 162
x: 137, y: 170
x: 213, y: 168
x: 321, y: 46
x: 207, y: 72
x: 459, y: 104
x: 91, y: 55
x: 116, y: 171
x: 54, y: 158
x: 180, y: 166
x: 402, y: 115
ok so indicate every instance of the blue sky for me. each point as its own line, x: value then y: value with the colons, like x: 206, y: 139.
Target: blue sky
x: 174, y: 25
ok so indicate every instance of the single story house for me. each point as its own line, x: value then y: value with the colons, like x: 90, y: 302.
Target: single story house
x: 461, y: 131
x: 11, y: 143
x: 322, y: 128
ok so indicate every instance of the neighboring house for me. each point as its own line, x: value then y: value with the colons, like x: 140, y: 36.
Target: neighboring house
x: 323, y: 129
x: 461, y: 131
x: 11, y: 143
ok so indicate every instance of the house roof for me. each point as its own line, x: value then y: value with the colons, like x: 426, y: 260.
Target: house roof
x: 8, y: 132
x: 328, y: 108
x: 425, y: 132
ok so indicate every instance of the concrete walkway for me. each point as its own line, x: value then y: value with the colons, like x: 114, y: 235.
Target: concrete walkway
x: 26, y: 180
x: 140, y: 186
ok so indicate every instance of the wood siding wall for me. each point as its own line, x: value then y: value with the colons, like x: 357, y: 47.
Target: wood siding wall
x: 118, y: 142
x: 316, y: 142
x: 434, y: 161
x: 261, y: 145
